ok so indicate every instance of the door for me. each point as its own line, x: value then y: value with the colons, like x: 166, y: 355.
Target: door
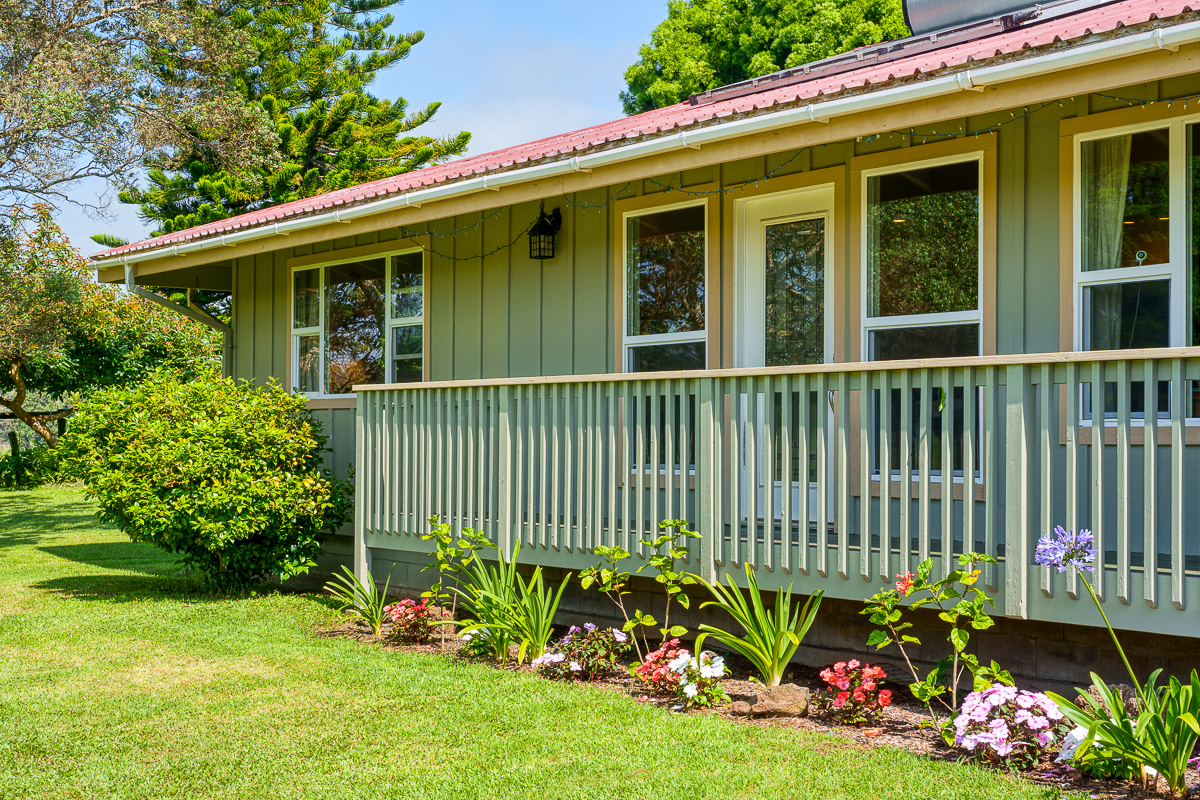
x: 785, y: 281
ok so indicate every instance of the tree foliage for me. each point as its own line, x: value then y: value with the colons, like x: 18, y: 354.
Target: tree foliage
x: 227, y: 475
x: 83, y: 93
x: 704, y: 44
x: 62, y: 334
x: 316, y: 60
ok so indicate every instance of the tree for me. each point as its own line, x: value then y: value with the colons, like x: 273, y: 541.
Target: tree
x: 316, y: 60
x: 62, y: 334
x: 83, y: 93
x: 704, y: 44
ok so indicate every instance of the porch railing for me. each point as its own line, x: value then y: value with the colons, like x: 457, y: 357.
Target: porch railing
x: 838, y: 476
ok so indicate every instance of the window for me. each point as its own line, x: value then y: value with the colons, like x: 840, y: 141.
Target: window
x: 665, y: 267
x: 923, y: 260
x: 357, y: 322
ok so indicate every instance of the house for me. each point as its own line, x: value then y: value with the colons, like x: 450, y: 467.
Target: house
x: 889, y: 306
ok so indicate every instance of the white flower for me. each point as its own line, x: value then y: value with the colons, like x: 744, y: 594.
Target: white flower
x: 680, y: 662
x: 620, y: 636
x: 575, y: 666
x: 690, y: 690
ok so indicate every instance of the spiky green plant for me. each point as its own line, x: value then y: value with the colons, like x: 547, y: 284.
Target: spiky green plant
x: 361, y: 599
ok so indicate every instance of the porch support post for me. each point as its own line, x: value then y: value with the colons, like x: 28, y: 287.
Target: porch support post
x: 362, y: 479
x: 1018, y: 440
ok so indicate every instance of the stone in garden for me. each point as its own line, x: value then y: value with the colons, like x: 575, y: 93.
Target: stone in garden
x: 740, y: 709
x: 1127, y: 694
x: 788, y: 700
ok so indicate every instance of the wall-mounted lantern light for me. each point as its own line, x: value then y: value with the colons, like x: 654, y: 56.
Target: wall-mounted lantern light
x: 541, y: 235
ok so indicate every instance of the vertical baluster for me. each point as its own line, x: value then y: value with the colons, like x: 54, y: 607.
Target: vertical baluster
x: 568, y: 392
x: 402, y: 488
x: 768, y: 558
x: 924, y: 456
x: 1020, y: 452
x: 655, y: 422
x: 1071, y: 473
x: 555, y: 466
x: 823, y: 413
x: 1150, y: 492
x: 1098, y: 488
x: 843, y: 474
x: 669, y: 508
x: 687, y: 505
x: 1178, y: 427
x: 947, y: 472
x: 627, y: 445
x: 802, y: 478
x: 1046, y: 417
x: 580, y: 464
x: 469, y: 433
x: 991, y: 475
x: 610, y: 392
x: 639, y: 391
x: 906, y: 470
x: 970, y: 396
x: 595, y: 401
x: 752, y: 434
x: 884, y: 452
x: 736, y: 477
x: 865, y: 403
x: 454, y: 473
x: 785, y: 469
x: 710, y: 472
x: 423, y: 496
x: 1122, y: 478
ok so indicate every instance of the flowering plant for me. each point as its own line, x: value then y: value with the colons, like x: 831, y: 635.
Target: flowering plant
x: 655, y: 670
x: 411, y: 620
x: 583, y: 653
x: 853, y: 695
x: 480, y: 643
x: 961, y: 603
x: 1006, y: 726
x: 699, y: 678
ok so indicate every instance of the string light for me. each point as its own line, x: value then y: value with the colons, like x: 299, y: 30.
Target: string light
x: 960, y: 133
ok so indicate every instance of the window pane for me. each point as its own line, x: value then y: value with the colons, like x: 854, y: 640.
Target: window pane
x: 795, y: 312
x: 306, y: 284
x: 354, y: 325
x: 1124, y: 220
x: 407, y: 294
x: 1121, y: 316
x: 923, y: 246
x: 406, y: 341
x: 666, y: 357
x: 666, y: 272
x: 935, y: 341
x: 308, y: 371
x: 406, y: 370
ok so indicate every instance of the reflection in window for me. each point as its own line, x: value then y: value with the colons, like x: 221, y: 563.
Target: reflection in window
x: 354, y: 309
x: 923, y: 248
x: 407, y: 285
x: 407, y: 353
x: 1125, y: 213
x: 795, y: 293
x: 306, y: 298
x: 666, y: 357
x: 1121, y: 316
x: 308, y: 372
x: 665, y: 264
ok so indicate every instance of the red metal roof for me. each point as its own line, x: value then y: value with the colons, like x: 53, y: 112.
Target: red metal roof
x: 1056, y: 31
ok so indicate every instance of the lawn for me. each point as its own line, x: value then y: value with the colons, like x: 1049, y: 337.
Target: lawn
x: 119, y: 681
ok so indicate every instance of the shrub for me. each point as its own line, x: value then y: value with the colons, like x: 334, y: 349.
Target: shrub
x: 489, y: 592
x: 479, y: 643
x: 227, y: 475
x: 39, y: 466
x: 1008, y: 727
x: 655, y: 670
x: 584, y: 653
x: 853, y: 695
x: 699, y: 679
x: 411, y: 620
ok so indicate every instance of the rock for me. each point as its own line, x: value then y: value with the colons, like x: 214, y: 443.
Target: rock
x: 740, y: 709
x: 788, y: 700
x: 1127, y: 693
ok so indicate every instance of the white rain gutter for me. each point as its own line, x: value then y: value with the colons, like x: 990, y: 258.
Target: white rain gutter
x: 971, y: 80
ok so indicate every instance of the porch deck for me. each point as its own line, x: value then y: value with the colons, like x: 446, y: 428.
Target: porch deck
x: 564, y: 464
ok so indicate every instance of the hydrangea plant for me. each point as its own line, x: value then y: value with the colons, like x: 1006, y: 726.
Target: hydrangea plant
x: 1009, y: 727
x: 853, y: 693
x: 583, y: 654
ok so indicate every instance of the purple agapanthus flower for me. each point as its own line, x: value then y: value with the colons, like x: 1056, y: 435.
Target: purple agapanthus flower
x: 1066, y: 549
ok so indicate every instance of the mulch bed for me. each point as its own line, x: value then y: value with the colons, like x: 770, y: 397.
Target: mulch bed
x: 900, y: 728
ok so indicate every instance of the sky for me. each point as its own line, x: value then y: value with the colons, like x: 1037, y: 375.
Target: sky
x: 508, y: 72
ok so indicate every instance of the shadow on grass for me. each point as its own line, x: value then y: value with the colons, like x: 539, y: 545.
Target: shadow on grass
x: 133, y: 556
x: 141, y: 588
x: 26, y: 517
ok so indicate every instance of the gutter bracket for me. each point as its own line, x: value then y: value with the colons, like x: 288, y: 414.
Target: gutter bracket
x: 337, y: 217
x: 408, y: 201
x: 812, y: 115
x: 575, y: 165
x: 225, y: 243
x: 1158, y: 39
x: 489, y: 188
x: 683, y: 140
x: 966, y: 84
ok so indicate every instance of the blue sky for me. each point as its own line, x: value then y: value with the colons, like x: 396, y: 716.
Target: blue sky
x: 508, y: 72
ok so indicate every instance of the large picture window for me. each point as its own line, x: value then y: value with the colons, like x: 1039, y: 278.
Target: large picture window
x: 923, y: 260
x: 665, y: 267
x: 358, y: 322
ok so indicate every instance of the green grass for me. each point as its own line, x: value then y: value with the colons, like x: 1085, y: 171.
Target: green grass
x: 117, y: 681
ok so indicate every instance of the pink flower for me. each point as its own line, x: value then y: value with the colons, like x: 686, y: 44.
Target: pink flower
x: 841, y: 699
x: 885, y: 697
x: 905, y: 584
x: 853, y: 664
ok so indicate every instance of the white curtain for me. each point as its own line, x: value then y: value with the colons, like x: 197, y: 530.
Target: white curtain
x: 1105, y: 187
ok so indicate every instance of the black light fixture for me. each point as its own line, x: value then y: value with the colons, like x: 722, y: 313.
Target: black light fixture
x: 541, y: 235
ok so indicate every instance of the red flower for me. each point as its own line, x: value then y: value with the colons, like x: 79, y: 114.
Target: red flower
x: 885, y: 697
x: 859, y: 696
x: 905, y: 585
x: 853, y: 664
x: 841, y: 699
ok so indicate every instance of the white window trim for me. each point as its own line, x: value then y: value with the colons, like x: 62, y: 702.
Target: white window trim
x: 1176, y: 269
x: 870, y: 323
x: 319, y: 330
x: 628, y: 341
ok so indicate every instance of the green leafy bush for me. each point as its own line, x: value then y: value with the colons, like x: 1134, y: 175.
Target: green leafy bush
x: 39, y: 466
x: 227, y: 475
